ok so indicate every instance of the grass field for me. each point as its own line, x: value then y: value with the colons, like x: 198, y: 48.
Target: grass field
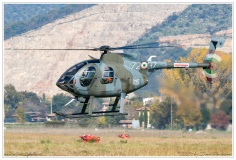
x: 65, y: 142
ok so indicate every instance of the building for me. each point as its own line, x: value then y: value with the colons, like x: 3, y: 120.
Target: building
x: 130, y: 123
x: 150, y: 100
x: 147, y: 101
x: 38, y: 119
x: 126, y: 123
x: 35, y: 116
x: 51, y: 117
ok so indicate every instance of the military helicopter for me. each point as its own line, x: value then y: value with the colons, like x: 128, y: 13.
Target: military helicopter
x: 117, y: 74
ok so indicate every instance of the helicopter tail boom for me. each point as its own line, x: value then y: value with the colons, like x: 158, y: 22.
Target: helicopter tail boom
x: 207, y: 64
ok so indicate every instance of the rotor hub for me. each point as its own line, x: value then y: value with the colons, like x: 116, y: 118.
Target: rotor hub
x: 105, y: 48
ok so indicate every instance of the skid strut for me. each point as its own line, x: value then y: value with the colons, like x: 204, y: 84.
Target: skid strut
x: 89, y: 103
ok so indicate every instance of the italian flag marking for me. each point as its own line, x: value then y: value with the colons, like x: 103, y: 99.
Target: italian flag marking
x: 144, y: 65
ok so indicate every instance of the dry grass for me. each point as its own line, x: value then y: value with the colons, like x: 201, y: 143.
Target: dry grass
x: 64, y: 142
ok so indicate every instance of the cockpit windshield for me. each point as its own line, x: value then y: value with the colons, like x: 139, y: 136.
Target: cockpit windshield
x: 65, y: 82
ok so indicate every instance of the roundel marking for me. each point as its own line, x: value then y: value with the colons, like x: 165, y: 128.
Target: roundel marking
x: 144, y: 65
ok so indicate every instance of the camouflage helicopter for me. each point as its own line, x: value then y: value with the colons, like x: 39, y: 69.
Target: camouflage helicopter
x: 117, y: 74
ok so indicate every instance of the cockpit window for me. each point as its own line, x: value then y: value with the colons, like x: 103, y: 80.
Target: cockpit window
x: 73, y: 70
x: 66, y: 80
x: 87, y: 76
x: 108, y: 75
x: 93, y: 61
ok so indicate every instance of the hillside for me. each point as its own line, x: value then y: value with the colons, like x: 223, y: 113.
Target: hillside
x: 14, y: 13
x: 204, y: 20
x: 20, y: 18
x: 104, y: 24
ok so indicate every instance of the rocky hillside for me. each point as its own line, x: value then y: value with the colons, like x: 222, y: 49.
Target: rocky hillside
x: 104, y: 24
x: 21, y: 18
x: 14, y: 13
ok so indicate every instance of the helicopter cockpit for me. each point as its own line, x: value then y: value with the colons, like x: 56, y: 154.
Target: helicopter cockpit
x: 65, y: 82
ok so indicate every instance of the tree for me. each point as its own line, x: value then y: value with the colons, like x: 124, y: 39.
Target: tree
x: 118, y: 118
x: 226, y: 106
x: 219, y: 120
x: 28, y: 118
x: 160, y: 113
x: 44, y: 98
x: 141, y: 118
x: 190, y: 90
x: 29, y: 100
x: 111, y: 121
x: 20, y: 115
x: 102, y: 121
x: 59, y: 100
x: 84, y: 122
x: 205, y: 116
x: 188, y: 106
x: 137, y: 102
x: 145, y: 118
x: 221, y: 87
x: 30, y: 96
x: 172, y: 18
x: 11, y: 96
x: 5, y: 110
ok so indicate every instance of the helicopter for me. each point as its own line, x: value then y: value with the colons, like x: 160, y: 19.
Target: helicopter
x: 118, y: 74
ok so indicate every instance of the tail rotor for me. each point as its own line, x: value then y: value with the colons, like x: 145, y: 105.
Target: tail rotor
x: 212, y: 58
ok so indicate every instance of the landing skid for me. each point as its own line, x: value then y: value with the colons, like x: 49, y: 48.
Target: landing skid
x: 83, y: 114
x: 94, y: 114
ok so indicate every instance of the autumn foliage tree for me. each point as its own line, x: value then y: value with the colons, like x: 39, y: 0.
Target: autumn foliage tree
x: 188, y: 106
x: 222, y: 86
x: 219, y: 120
x: 102, y: 122
x: 190, y: 90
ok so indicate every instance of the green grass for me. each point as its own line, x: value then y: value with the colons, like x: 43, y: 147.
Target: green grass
x: 66, y: 142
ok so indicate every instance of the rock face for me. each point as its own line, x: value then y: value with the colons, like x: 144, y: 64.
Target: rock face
x: 104, y: 24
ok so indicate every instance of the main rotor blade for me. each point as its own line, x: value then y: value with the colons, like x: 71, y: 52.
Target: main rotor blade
x: 105, y: 47
x: 142, y: 47
x: 49, y: 49
x: 138, y: 45
x: 145, y: 44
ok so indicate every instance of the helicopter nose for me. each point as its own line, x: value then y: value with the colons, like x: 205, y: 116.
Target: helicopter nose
x: 60, y: 82
x: 66, y: 83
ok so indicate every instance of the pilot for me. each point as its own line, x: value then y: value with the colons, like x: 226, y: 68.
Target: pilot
x: 109, y: 80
